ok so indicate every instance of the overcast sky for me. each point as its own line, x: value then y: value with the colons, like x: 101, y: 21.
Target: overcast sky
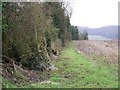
x: 94, y: 13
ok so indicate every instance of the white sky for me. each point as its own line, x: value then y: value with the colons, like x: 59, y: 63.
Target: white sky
x: 94, y: 13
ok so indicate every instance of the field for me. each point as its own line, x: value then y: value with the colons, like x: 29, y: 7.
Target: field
x: 77, y: 69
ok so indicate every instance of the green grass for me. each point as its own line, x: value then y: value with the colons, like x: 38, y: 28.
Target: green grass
x: 6, y: 83
x: 78, y: 71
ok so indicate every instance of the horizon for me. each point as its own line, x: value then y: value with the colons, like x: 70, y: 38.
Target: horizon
x: 94, y: 13
x: 97, y: 27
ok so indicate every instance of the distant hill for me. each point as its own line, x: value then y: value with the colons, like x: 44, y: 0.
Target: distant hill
x: 109, y: 32
x: 97, y: 37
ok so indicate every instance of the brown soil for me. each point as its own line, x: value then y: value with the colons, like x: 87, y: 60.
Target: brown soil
x: 16, y: 74
x: 99, y: 50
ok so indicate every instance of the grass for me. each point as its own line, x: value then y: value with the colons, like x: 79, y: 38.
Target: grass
x: 77, y: 71
x: 7, y: 84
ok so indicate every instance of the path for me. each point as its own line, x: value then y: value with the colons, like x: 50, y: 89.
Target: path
x: 78, y: 71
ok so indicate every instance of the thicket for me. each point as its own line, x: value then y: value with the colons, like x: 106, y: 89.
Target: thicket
x: 74, y: 32
x: 32, y: 32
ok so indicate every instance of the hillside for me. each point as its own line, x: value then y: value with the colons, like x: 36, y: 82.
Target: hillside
x: 110, y: 32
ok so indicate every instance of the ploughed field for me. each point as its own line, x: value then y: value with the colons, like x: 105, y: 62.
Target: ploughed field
x: 99, y: 49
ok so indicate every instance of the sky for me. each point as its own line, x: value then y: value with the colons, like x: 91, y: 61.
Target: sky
x: 94, y: 13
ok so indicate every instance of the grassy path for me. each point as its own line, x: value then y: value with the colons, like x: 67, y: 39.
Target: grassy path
x: 78, y: 71
x: 75, y: 70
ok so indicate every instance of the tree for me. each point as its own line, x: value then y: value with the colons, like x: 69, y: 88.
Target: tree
x: 31, y: 29
x: 75, y: 34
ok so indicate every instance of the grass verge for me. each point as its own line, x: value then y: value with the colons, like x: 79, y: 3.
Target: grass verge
x: 77, y: 71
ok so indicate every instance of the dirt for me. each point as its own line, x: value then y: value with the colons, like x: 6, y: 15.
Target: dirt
x: 21, y: 76
x: 99, y: 50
